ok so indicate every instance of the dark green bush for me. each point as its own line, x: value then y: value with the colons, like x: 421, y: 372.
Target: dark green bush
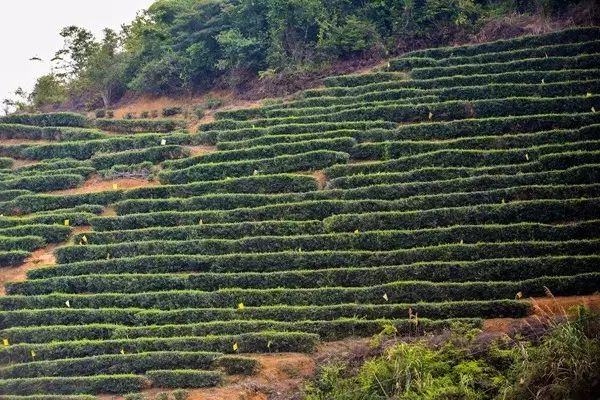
x: 139, y: 125
x: 233, y: 364
x: 114, y: 384
x: 13, y: 258
x: 171, y: 111
x: 181, y: 378
x: 287, y: 163
x: 50, y: 119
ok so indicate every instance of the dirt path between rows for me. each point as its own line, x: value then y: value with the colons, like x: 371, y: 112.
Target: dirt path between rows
x: 97, y: 184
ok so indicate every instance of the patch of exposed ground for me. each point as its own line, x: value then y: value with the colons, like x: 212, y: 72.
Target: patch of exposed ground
x: 18, y: 163
x: 38, y: 258
x: 202, y: 150
x: 97, y: 184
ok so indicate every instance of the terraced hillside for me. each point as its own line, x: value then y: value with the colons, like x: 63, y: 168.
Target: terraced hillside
x: 447, y: 187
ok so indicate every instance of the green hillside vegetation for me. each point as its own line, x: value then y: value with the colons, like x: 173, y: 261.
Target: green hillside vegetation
x: 441, y: 191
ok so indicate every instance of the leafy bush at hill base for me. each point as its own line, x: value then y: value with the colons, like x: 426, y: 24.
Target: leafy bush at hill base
x: 154, y: 155
x: 139, y: 125
x: 50, y: 119
x: 182, y: 378
x: 113, y: 384
x: 49, y: 397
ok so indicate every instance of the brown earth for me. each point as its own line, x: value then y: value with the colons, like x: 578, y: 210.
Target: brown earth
x: 39, y: 258
x: 97, y: 184
x: 202, y: 150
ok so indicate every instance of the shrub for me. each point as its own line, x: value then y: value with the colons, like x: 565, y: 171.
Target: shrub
x: 199, y: 112
x: 154, y: 155
x: 6, y: 162
x: 13, y: 258
x: 100, y: 113
x: 213, y: 103
x: 145, y: 115
x: 171, y: 111
x: 114, y: 384
x: 139, y: 125
x: 181, y: 378
x: 50, y: 119
x: 287, y: 163
x: 233, y: 364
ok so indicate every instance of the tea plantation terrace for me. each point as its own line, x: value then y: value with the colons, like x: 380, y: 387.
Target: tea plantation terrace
x: 447, y: 187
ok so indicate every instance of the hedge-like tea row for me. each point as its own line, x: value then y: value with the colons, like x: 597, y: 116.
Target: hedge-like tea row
x: 215, y: 246
x: 513, y: 77
x: 154, y: 155
x: 50, y: 119
x: 553, y: 50
x: 448, y: 110
x: 295, y: 260
x: 309, y: 108
x: 54, y: 217
x: 137, y: 363
x: 328, y: 105
x: 276, y: 183
x: 261, y: 152
x: 528, y: 159
x: 206, y: 231
x: 139, y: 125
x: 6, y: 162
x: 583, y: 61
x: 532, y: 211
x: 181, y: 378
x: 42, y: 183
x: 29, y: 322
x: 25, y: 243
x: 83, y: 150
x: 397, y: 149
x: 30, y: 203
x: 114, y: 384
x: 7, y: 195
x: 214, y: 136
x: 482, y: 270
x: 397, y: 292
x: 28, y: 132
x: 270, y: 140
x: 254, y: 342
x: 299, y: 162
x: 456, y: 180
x: 50, y: 233
x: 574, y: 35
x: 363, y: 79
x: 13, y: 258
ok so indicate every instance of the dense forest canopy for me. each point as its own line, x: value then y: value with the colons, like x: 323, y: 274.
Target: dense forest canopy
x: 183, y: 46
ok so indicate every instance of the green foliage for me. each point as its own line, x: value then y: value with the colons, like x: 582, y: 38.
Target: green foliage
x: 139, y: 125
x: 171, y: 111
x: 50, y: 119
x: 181, y: 378
x: 48, y: 90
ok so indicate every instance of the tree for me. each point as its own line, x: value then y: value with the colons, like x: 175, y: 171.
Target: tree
x: 48, y: 90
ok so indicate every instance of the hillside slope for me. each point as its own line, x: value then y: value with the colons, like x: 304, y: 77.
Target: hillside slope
x: 446, y: 188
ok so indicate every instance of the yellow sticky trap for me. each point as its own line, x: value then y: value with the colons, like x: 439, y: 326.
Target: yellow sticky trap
x: 356, y: 231
x: 543, y: 81
x: 462, y: 241
x: 68, y: 303
x: 115, y: 186
x: 163, y: 142
x: 84, y: 239
x: 593, y: 109
x: 235, y: 346
x: 5, y: 342
x: 241, y: 306
x: 518, y: 295
x: 430, y: 115
x: 200, y: 222
x: 527, y: 156
x: 122, y: 351
x: 66, y: 222
x: 588, y: 94
x: 33, y: 354
x: 385, y: 297
x: 269, y: 344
